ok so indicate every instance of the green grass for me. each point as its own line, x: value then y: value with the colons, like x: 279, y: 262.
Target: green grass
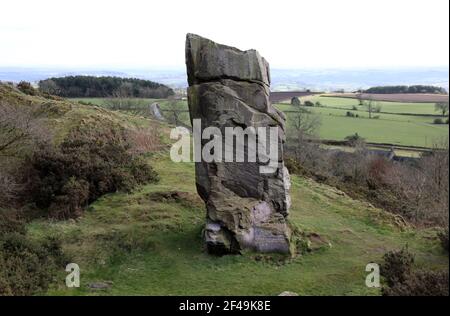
x: 391, y: 107
x: 148, y: 247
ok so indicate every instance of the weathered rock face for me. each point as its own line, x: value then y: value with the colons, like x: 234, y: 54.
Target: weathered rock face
x: 246, y: 209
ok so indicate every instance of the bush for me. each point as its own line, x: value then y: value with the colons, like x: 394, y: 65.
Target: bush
x: 27, y: 88
x: 354, y: 139
x: 295, y: 101
x: 402, y: 280
x: 397, y: 266
x: 27, y: 266
x: 349, y: 114
x: 87, y: 165
x: 377, y: 169
x: 144, y: 140
x: 354, y: 108
x: 438, y: 121
x: 10, y: 223
x: 421, y: 283
x: 443, y: 237
x: 308, y: 103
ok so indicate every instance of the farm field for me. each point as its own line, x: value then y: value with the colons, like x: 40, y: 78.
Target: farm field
x: 389, y: 107
x: 388, y: 128
x: 396, y: 129
x: 397, y: 97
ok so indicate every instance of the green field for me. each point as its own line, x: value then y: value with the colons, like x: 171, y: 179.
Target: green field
x: 396, y: 129
x: 153, y: 247
x: 390, y: 107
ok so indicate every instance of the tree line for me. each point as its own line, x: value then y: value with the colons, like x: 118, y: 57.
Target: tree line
x: 100, y: 87
x: 406, y: 89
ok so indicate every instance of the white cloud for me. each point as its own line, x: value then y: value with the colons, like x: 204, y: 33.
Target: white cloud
x: 314, y: 33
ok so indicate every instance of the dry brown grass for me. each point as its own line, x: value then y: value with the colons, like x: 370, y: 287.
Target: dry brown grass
x: 145, y: 140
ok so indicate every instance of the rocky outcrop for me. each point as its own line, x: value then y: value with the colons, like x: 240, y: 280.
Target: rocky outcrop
x: 246, y: 208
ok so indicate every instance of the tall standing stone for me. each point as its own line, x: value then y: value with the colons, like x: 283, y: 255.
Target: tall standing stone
x: 246, y: 209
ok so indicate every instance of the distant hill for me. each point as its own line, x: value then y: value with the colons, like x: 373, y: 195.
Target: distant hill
x: 406, y: 89
x: 92, y: 87
x: 282, y: 79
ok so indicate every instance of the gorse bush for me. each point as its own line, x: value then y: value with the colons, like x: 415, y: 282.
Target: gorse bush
x: 27, y: 88
x: 91, y: 162
x: 421, y: 283
x: 402, y: 280
x: 27, y: 266
x: 397, y: 266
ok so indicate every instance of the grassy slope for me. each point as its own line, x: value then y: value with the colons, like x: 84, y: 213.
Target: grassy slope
x: 146, y: 245
x: 167, y: 256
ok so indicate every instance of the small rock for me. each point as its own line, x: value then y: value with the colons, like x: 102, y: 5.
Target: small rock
x: 100, y: 285
x: 288, y: 293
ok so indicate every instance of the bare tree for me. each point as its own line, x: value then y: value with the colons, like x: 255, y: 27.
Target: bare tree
x: 359, y: 97
x: 173, y: 108
x: 8, y: 188
x: 372, y: 106
x: 123, y: 100
x: 20, y: 128
x: 48, y: 86
x: 144, y: 140
x: 442, y: 107
x: 306, y: 126
x: 305, y: 123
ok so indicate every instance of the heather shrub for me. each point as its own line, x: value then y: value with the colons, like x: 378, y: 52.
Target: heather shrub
x: 27, y: 266
x: 420, y: 283
x: 27, y: 88
x: 402, y: 280
x: 88, y: 164
x: 397, y: 266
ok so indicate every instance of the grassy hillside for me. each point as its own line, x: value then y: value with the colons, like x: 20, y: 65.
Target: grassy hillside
x: 148, y: 243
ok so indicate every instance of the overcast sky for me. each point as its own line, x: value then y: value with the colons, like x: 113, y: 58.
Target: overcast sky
x: 289, y: 33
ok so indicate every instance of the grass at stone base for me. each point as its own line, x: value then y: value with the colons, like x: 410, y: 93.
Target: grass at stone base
x: 153, y: 247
